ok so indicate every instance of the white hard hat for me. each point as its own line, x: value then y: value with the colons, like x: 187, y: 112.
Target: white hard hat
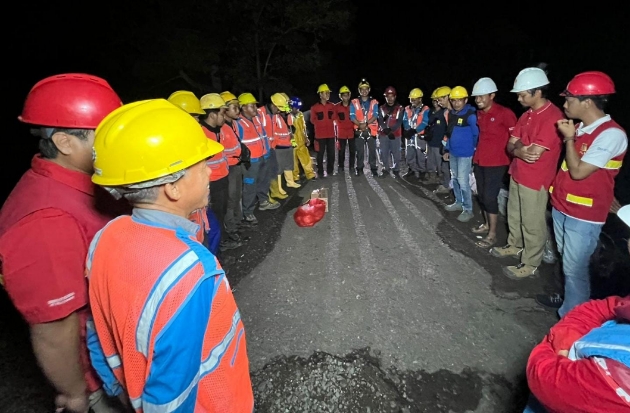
x: 530, y: 78
x: 484, y: 86
x: 624, y: 214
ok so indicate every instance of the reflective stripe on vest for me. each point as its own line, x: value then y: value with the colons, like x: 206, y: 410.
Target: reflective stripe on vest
x: 280, y: 131
x: 362, y: 116
x: 252, y: 137
x: 218, y: 164
x: 231, y: 144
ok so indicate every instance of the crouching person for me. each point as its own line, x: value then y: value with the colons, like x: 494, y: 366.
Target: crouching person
x: 153, y: 286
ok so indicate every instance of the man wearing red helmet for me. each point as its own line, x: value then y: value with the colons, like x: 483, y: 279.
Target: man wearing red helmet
x: 582, y: 191
x: 46, y: 226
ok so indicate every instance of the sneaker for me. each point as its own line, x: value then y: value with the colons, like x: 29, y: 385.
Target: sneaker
x: 454, y: 207
x: 520, y: 271
x: 442, y: 190
x: 506, y: 251
x: 229, y: 244
x: 550, y: 300
x: 250, y: 219
x: 465, y: 216
x: 265, y: 205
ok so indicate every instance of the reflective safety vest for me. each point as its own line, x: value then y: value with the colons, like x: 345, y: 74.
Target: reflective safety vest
x: 415, y: 117
x: 253, y: 137
x: 588, y: 199
x: 218, y: 164
x: 231, y: 144
x: 265, y: 120
x: 363, y: 116
x: 280, y: 132
x: 300, y: 133
x: 169, y: 330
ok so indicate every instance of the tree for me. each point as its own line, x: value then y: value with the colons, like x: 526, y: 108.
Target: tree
x: 278, y: 42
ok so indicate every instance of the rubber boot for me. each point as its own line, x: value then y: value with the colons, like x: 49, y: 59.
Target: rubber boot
x: 288, y: 175
x: 274, y: 191
x: 280, y: 189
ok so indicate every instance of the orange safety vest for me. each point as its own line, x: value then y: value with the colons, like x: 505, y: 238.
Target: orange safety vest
x: 253, y: 137
x: 414, y: 118
x: 231, y: 144
x: 362, y: 116
x: 588, y: 199
x: 280, y: 132
x: 166, y: 320
x: 218, y: 164
x: 265, y: 120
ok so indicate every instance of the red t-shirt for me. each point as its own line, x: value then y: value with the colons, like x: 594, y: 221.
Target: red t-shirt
x: 538, y: 127
x: 494, y: 133
x: 323, y: 118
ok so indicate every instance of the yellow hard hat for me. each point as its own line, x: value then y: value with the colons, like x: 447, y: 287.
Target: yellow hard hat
x: 145, y: 140
x: 323, y: 88
x: 212, y: 101
x: 279, y: 100
x: 246, y: 99
x: 286, y: 96
x: 458, y: 92
x: 344, y: 89
x: 228, y: 97
x: 441, y: 92
x: 364, y: 83
x: 415, y: 93
x: 186, y: 100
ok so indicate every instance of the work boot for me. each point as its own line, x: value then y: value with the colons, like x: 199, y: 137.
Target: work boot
x: 374, y: 172
x: 429, y: 178
x: 442, y: 190
x: 408, y: 173
x: 274, y: 190
x: 396, y: 174
x: 250, y: 219
x: 229, y: 244
x: 265, y: 205
x: 506, y: 251
x: 520, y: 271
x: 288, y: 176
x: 280, y: 189
x: 358, y: 172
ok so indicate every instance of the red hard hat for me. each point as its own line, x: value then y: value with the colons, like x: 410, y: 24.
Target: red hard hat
x: 72, y: 100
x: 310, y: 213
x: 390, y: 89
x: 589, y: 84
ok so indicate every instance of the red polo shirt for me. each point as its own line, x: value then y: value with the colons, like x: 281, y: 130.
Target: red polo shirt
x: 323, y: 119
x: 46, y: 226
x: 494, y: 132
x: 345, y: 127
x: 538, y: 127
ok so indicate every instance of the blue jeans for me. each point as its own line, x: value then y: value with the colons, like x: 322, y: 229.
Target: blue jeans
x: 461, y: 168
x: 576, y: 242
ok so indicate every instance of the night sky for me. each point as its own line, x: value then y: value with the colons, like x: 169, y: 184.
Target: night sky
x: 394, y: 45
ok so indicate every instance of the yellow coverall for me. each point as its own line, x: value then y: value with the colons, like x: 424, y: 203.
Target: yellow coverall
x: 301, y: 155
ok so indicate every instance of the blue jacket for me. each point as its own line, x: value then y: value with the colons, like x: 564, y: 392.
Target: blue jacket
x: 462, y: 132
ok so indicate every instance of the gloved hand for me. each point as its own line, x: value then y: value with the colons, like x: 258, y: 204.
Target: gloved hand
x: 293, y: 143
x: 409, y: 133
x: 387, y: 131
x: 391, y: 136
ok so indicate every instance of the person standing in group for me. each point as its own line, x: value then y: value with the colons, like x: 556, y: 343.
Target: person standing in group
x: 390, y: 119
x: 364, y: 115
x: 46, y: 225
x: 491, y: 159
x: 583, y: 189
x: 462, y: 133
x: 437, y: 124
x: 535, y: 145
x: 344, y: 130
x: 323, y: 119
x: 301, y: 154
x: 415, y: 120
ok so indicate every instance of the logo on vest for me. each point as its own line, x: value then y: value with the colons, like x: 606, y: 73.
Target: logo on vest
x: 583, y: 149
x: 491, y: 119
x: 460, y: 121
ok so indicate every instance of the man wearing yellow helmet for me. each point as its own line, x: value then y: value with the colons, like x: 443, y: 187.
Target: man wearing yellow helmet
x: 344, y: 130
x: 364, y: 115
x: 438, y: 123
x: 323, y: 117
x: 150, y: 281
x: 415, y: 120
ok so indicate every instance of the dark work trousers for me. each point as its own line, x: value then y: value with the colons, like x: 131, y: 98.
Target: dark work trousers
x: 326, y: 145
x: 235, y: 195
x: 341, y: 159
x: 219, y: 203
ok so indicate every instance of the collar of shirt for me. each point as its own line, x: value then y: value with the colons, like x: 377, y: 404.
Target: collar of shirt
x: 74, y: 179
x: 581, y: 129
x: 165, y: 219
x: 541, y: 110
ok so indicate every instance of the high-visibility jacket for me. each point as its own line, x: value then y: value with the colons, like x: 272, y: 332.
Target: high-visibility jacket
x: 363, y: 116
x: 588, y: 199
x: 299, y: 123
x: 218, y: 164
x: 168, y: 330
x: 253, y: 137
x: 265, y: 120
x: 231, y: 143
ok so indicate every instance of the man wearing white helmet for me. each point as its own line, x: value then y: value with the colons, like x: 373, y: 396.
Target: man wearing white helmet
x: 491, y: 160
x: 535, y: 145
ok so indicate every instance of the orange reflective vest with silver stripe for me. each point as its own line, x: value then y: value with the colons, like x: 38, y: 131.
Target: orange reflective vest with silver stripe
x: 361, y: 116
x: 218, y: 164
x: 169, y: 330
x: 231, y: 144
x: 253, y: 137
x: 588, y: 199
x: 265, y: 120
x: 280, y: 132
